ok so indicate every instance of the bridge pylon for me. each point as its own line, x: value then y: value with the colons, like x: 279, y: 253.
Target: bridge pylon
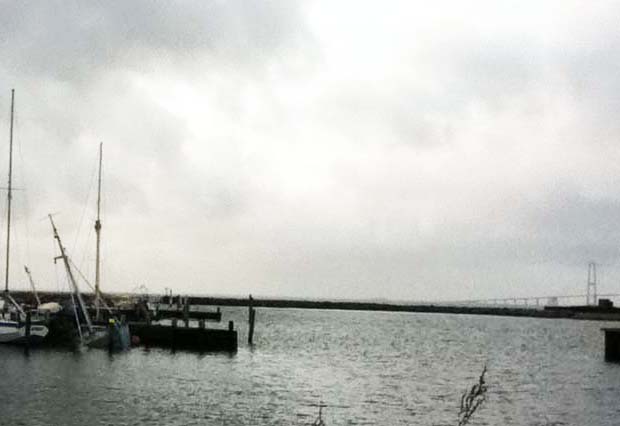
x: 591, y: 297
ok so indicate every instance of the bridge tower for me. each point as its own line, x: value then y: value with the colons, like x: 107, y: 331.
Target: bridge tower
x: 591, y: 298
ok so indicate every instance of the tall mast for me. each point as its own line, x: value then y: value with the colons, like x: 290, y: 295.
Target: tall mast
x: 8, y: 220
x: 76, y: 290
x: 98, y: 231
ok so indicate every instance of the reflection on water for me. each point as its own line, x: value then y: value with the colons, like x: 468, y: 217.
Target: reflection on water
x: 369, y: 368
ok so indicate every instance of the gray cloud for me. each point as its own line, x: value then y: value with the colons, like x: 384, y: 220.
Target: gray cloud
x: 301, y: 149
x: 69, y: 41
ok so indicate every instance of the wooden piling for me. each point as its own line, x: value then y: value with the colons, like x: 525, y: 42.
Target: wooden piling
x: 173, y: 334
x: 612, y: 344
x: 251, y: 318
x: 110, y: 335
x: 186, y: 313
x: 28, y: 326
x: 251, y: 333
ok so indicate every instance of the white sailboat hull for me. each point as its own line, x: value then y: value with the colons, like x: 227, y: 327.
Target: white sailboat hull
x: 14, y: 332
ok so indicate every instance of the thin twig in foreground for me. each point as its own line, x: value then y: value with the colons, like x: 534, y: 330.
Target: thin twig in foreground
x: 472, y: 399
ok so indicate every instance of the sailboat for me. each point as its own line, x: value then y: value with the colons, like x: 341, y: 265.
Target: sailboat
x: 111, y: 334
x: 16, y: 325
x: 118, y: 331
x: 87, y: 332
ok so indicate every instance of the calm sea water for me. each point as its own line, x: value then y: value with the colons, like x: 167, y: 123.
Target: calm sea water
x: 369, y: 368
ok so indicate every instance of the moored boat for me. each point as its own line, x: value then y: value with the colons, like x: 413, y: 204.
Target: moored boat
x: 80, y: 329
x: 16, y: 326
x: 20, y: 332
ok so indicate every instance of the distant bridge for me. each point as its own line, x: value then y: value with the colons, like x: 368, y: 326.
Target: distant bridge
x: 538, y: 301
x: 591, y: 298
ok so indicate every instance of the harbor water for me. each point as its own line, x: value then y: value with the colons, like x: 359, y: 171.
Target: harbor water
x: 366, y: 368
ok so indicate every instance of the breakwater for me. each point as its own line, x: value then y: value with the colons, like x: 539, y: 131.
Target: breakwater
x: 571, y: 312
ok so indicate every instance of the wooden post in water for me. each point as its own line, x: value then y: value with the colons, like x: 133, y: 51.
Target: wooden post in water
x: 186, y: 313
x: 111, y: 333
x: 174, y: 332
x: 28, y: 326
x: 252, y: 316
x: 612, y: 344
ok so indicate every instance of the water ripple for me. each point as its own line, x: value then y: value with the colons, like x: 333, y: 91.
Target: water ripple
x: 368, y: 368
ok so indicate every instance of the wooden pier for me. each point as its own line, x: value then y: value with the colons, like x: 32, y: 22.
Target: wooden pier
x: 184, y: 337
x: 612, y: 344
x: 169, y: 312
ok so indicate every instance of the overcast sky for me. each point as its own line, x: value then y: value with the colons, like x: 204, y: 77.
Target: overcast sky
x: 363, y: 150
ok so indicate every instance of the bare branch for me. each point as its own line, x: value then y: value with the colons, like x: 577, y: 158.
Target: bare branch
x: 473, y: 399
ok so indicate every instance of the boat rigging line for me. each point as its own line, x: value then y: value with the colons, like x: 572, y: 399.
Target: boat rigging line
x: 103, y: 303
